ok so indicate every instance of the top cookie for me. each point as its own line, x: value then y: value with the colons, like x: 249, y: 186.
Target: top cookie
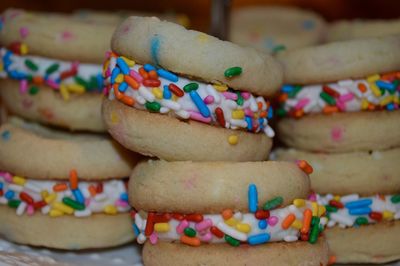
x: 276, y: 28
x: 196, y: 54
x: 56, y: 36
x: 341, y: 60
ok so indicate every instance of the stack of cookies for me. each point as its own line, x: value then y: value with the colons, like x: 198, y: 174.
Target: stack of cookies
x: 340, y: 112
x: 196, y: 103
x: 58, y: 188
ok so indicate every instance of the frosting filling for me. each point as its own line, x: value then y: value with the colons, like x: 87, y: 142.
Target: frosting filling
x: 63, y: 76
x: 160, y: 91
x: 375, y: 92
x: 58, y: 198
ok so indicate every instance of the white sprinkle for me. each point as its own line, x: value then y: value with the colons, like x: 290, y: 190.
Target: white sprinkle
x: 171, y: 104
x: 350, y: 197
x: 21, y: 208
x: 232, y: 232
x: 83, y: 213
x: 145, y: 93
x: 341, y: 219
x: 16, y: 188
x: 141, y: 238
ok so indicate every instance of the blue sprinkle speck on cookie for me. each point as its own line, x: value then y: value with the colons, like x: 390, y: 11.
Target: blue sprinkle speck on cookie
x: 6, y: 135
x: 308, y: 24
x: 155, y: 48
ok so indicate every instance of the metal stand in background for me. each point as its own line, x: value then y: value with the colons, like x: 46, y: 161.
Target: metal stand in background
x: 220, y: 16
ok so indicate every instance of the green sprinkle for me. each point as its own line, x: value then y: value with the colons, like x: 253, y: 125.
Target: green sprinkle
x: 73, y: 204
x: 330, y: 208
x: 395, y: 198
x: 382, y: 91
x: 281, y: 112
x: 294, y: 92
x: 14, y: 203
x: 361, y: 220
x: 51, y: 69
x: 153, y: 106
x: 321, y: 228
x: 315, y: 220
x: 33, y: 90
x: 190, y: 232
x: 81, y: 81
x: 232, y: 241
x: 240, y: 99
x: 272, y: 204
x: 314, y: 234
x: 31, y: 65
x: 278, y: 48
x: 92, y: 83
x: 233, y: 71
x: 29, y: 77
x: 191, y: 87
x: 327, y: 98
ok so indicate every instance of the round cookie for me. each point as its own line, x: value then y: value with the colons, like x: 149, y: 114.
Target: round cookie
x: 341, y: 60
x: 13, y: 258
x: 276, y: 28
x: 47, y: 106
x: 357, y: 29
x: 209, y: 187
x: 179, y: 140
x: 342, y: 132
x: 376, y: 243
x: 366, y: 173
x: 294, y: 254
x: 196, y: 54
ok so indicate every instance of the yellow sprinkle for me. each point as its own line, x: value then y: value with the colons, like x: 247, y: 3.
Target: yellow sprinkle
x: 299, y: 202
x: 119, y: 78
x: 233, y: 139
x: 202, y: 38
x: 56, y: 213
x: 1, y: 67
x: 44, y: 194
x: 174, y: 97
x: 110, y: 209
x: 106, y: 65
x: 161, y: 227
x: 76, y: 88
x: 364, y: 104
x: 396, y: 100
x: 388, y: 215
x: 337, y: 198
x: 24, y: 49
x: 19, y: 180
x: 183, y: 20
x: 297, y: 224
x: 244, y: 228
x: 231, y: 221
x: 64, y: 92
x: 314, y: 208
x: 63, y: 208
x: 157, y: 92
x: 220, y: 87
x: 237, y: 114
x: 373, y: 78
x: 114, y: 118
x: 129, y: 62
x: 50, y: 198
x: 321, y: 210
x: 375, y: 90
x: 388, y: 99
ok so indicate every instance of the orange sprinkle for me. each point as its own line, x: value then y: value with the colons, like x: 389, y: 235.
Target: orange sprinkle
x: 131, y: 82
x: 307, y: 216
x: 143, y: 73
x: 260, y: 105
x: 227, y: 214
x: 305, y: 166
x: 60, y: 187
x: 113, y: 54
x: 332, y: 260
x: 153, y: 74
x: 371, y: 107
x: 92, y: 190
x: 298, y: 113
x: 362, y: 87
x: 287, y: 222
x: 381, y: 196
x: 117, y: 93
x: 38, y: 80
x: 328, y: 109
x: 263, y: 114
x: 389, y: 76
x: 73, y: 179
x: 191, y: 241
x: 128, y: 100
x: 282, y: 97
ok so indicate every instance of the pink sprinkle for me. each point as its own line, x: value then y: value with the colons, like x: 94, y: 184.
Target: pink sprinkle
x: 273, y: 220
x: 75, y: 65
x: 341, y: 105
x: 7, y: 176
x: 312, y: 197
x: 30, y: 210
x: 248, y: 112
x: 52, y: 84
x: 245, y: 95
x: 209, y: 99
x: 23, y: 86
x: 67, y: 35
x: 346, y: 97
x: 207, y: 237
x: 23, y: 31
x: 153, y: 238
x: 181, y: 226
x: 336, y: 134
x: 230, y: 95
x: 136, y: 76
x: 106, y: 90
x: 197, y: 116
x: 121, y: 203
x: 207, y: 223
x: 87, y: 201
x: 301, y: 103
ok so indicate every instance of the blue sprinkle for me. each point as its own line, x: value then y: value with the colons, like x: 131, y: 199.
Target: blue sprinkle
x: 358, y: 203
x: 308, y: 24
x: 78, y: 195
x: 16, y: 75
x: 258, y: 239
x: 199, y: 103
x: 57, y: 80
x: 261, y: 123
x: 124, y: 196
x: 1, y: 24
x: 390, y: 107
x: 123, y: 86
x: 1, y: 185
x: 123, y: 66
x: 385, y: 85
x: 287, y: 88
x: 100, y: 81
x: 360, y: 211
x: 136, y: 230
x: 270, y: 113
x: 167, y: 75
x: 262, y: 224
x: 167, y: 93
x: 114, y: 74
x: 6, y: 135
x: 249, y: 123
x: 9, y: 194
x: 155, y: 48
x: 149, y: 67
x: 253, y: 198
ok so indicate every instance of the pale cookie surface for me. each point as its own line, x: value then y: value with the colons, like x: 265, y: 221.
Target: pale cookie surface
x: 191, y: 187
x: 62, y: 37
x: 66, y: 232
x: 357, y: 29
x: 341, y: 60
x: 365, y: 173
x: 297, y: 253
x: 174, y: 140
x: 378, y: 243
x: 38, y: 152
x: 196, y: 54
x: 80, y: 112
x: 276, y: 28
x: 342, y: 132
x: 21, y: 259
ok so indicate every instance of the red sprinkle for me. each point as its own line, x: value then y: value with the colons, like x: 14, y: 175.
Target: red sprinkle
x: 304, y: 237
x: 175, y: 90
x: 1, y: 192
x: 377, y: 216
x: 261, y: 214
x: 150, y: 224
x: 151, y: 82
x: 162, y: 218
x: 99, y: 188
x: 39, y: 204
x: 68, y: 73
x: 330, y: 91
x: 26, y: 197
x: 15, y: 47
x: 178, y: 216
x: 194, y: 217
x: 337, y: 204
x: 305, y: 166
x: 220, y: 116
x: 215, y: 231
